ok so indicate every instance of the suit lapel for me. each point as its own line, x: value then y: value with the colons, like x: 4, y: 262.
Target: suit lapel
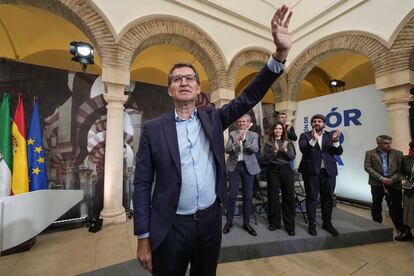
x: 206, y: 124
x: 170, y: 133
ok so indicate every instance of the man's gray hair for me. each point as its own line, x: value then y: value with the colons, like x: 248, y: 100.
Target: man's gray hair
x: 383, y: 138
x: 248, y: 117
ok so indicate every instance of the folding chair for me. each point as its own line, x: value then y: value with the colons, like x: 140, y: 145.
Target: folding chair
x: 300, y: 195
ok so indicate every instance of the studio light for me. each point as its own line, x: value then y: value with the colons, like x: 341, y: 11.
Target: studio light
x: 82, y: 52
x: 337, y: 84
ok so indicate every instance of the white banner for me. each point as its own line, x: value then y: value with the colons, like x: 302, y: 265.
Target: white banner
x: 361, y: 116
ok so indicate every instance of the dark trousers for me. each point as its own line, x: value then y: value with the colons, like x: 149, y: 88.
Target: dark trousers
x: 394, y: 202
x: 323, y: 184
x: 240, y: 174
x: 280, y: 178
x: 190, y: 241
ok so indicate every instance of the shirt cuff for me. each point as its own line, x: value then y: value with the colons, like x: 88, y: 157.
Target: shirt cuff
x: 336, y: 144
x: 275, y: 66
x: 381, y: 178
x: 312, y: 142
x: 143, y: 236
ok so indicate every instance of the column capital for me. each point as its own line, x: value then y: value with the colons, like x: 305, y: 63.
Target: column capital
x: 397, y: 99
x: 398, y: 95
x: 115, y: 75
x: 115, y: 93
x: 286, y: 105
x: 111, y: 98
x: 221, y: 96
x: 393, y: 79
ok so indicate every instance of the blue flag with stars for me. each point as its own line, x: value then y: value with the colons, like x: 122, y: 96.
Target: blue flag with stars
x: 36, y: 158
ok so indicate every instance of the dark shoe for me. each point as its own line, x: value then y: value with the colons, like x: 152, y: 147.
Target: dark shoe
x: 227, y: 227
x: 312, y: 229
x: 291, y: 232
x: 329, y: 228
x: 404, y: 236
x: 273, y: 227
x: 249, y: 229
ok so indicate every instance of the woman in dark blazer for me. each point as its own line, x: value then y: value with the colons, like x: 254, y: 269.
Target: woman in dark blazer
x: 277, y: 153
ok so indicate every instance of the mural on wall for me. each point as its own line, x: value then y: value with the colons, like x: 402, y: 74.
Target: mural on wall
x: 73, y: 114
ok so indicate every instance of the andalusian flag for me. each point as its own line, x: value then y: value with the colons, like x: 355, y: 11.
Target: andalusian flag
x: 6, y: 155
x: 20, y: 181
x: 36, y: 153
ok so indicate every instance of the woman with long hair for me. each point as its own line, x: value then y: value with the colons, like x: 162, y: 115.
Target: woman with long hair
x: 277, y: 153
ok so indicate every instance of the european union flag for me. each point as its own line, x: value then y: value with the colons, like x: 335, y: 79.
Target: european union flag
x: 36, y: 158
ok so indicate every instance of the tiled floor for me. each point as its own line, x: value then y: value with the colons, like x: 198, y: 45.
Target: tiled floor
x: 75, y: 251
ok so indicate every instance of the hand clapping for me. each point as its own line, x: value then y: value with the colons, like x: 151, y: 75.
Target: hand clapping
x: 336, y: 135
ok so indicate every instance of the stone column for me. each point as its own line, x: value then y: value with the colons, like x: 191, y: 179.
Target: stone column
x: 115, y: 80
x: 397, y: 100
x: 220, y: 97
x: 396, y: 87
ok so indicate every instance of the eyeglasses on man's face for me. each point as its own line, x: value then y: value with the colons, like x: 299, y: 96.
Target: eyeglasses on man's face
x: 179, y: 78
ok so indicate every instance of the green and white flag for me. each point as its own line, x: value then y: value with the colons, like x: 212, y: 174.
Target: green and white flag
x: 6, y: 157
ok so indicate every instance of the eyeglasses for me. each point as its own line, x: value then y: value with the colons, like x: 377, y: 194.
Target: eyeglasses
x: 179, y: 78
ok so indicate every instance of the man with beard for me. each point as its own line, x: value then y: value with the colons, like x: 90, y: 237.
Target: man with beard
x: 319, y: 171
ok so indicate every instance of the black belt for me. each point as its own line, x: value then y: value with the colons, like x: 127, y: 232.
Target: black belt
x: 202, y: 213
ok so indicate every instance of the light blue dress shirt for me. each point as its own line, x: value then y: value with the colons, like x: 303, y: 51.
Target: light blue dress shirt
x: 384, y: 158
x: 198, y: 169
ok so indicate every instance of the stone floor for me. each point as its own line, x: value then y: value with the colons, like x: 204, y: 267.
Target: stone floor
x: 76, y: 251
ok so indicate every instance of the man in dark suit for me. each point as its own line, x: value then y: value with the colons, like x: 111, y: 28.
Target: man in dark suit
x: 319, y: 171
x: 242, y: 166
x: 282, y: 118
x: 184, y: 148
x: 383, y: 165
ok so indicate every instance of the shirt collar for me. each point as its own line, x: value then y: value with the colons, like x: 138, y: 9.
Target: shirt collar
x: 192, y: 117
x: 381, y: 151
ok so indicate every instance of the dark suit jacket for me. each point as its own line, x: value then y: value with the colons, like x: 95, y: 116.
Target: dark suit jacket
x: 158, y: 154
x: 312, y: 156
x: 373, y: 166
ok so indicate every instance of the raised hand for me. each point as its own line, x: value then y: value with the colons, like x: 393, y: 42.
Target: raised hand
x: 276, y: 147
x: 315, y: 135
x: 284, y: 147
x: 336, y: 135
x: 280, y: 32
x: 242, y: 135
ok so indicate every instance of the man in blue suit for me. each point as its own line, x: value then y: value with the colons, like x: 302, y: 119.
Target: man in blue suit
x: 319, y: 171
x: 180, y: 223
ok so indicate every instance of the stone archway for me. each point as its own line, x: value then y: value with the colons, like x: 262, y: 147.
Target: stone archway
x: 82, y: 15
x: 363, y: 44
x: 402, y: 49
x: 175, y: 32
x: 248, y: 56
